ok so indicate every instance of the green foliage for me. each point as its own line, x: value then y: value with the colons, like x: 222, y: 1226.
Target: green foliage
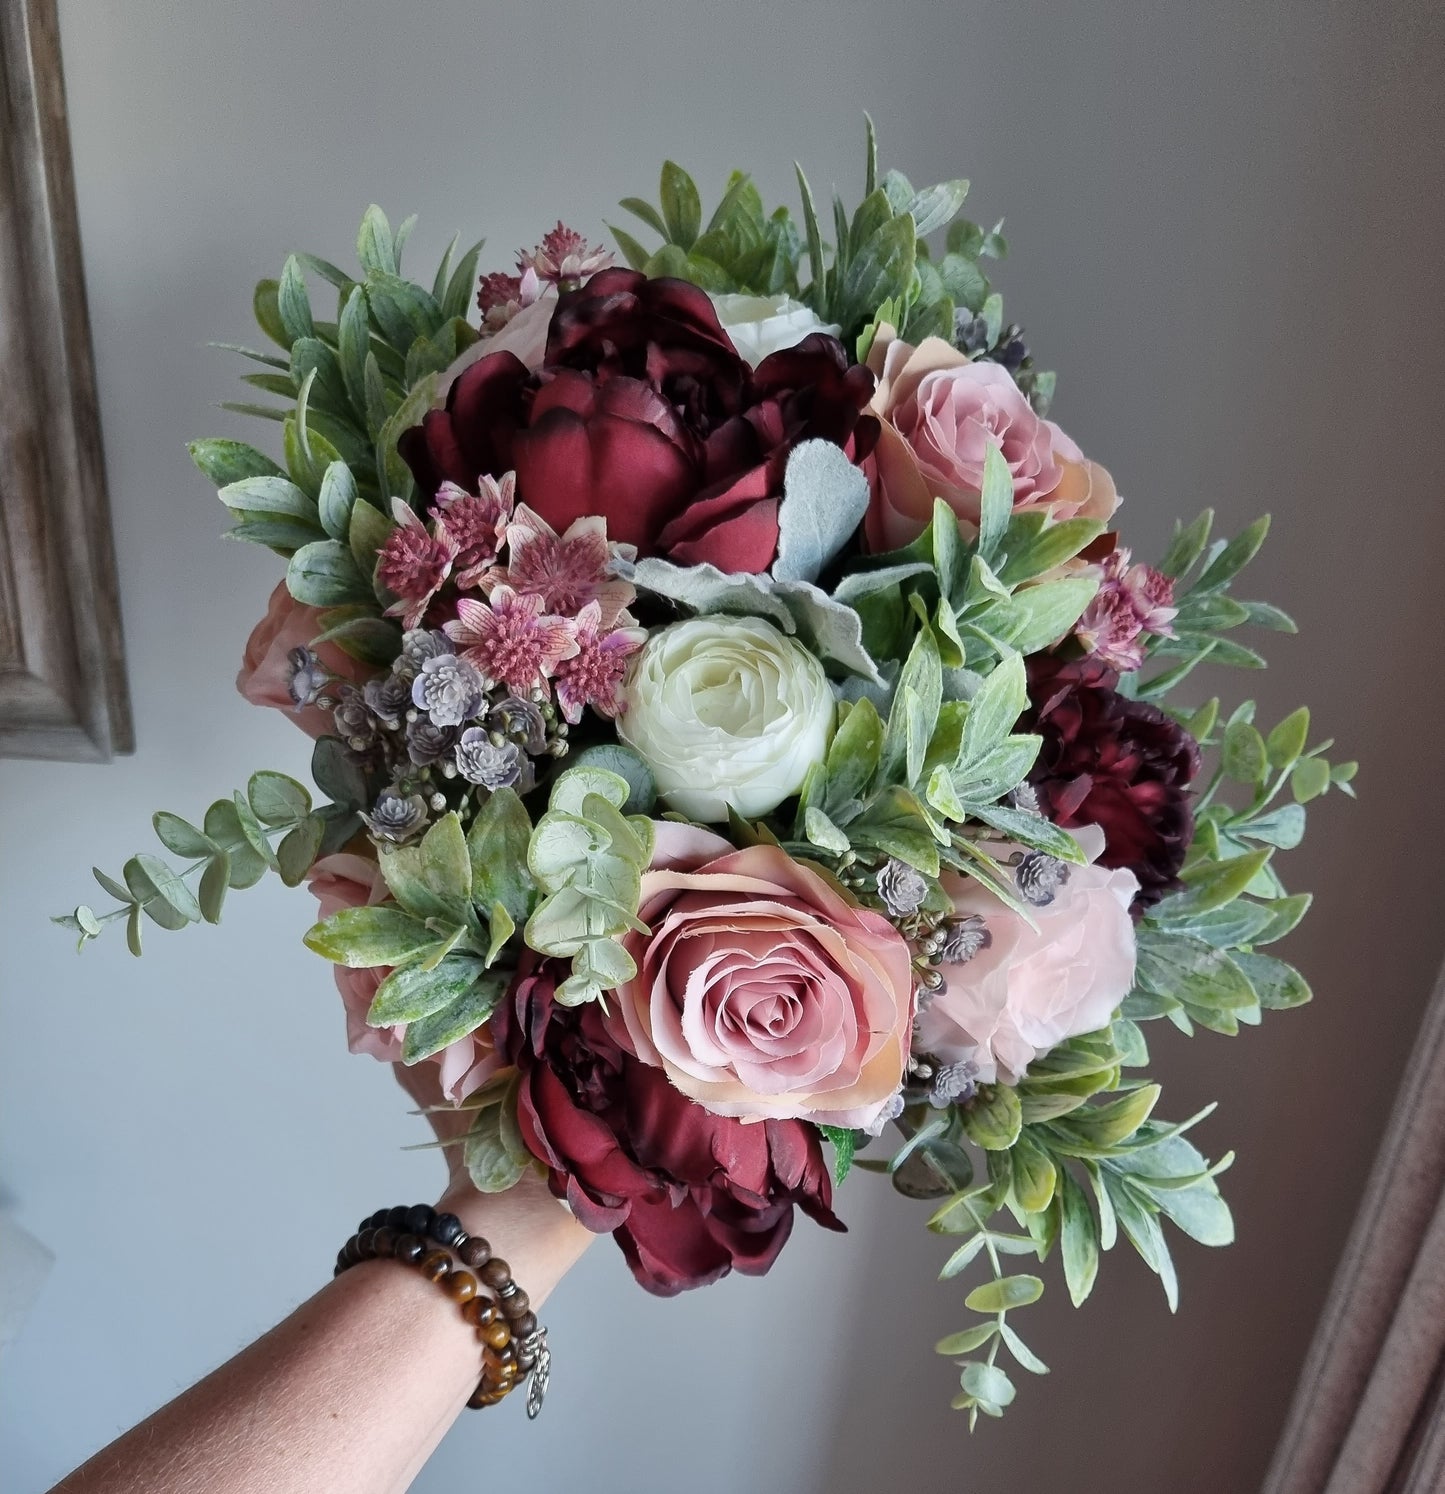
x: 845, y: 1143
x: 1198, y: 962
x: 587, y: 858
x: 444, y: 930
x: 928, y: 782
x: 876, y: 266
x: 351, y: 387
x: 273, y: 824
x: 1045, y: 1164
x: 493, y: 1150
x: 1203, y: 573
x: 742, y: 247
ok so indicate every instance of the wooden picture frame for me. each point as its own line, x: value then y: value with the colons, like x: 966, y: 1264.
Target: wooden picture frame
x: 63, y: 689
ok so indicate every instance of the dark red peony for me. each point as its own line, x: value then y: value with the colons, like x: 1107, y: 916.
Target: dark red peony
x: 644, y: 412
x: 688, y: 1195
x: 1113, y: 762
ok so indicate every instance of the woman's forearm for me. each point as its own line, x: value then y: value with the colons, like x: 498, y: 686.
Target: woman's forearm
x: 352, y: 1391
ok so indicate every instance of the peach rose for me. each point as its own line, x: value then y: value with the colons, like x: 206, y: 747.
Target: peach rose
x: 265, y: 676
x: 764, y: 991
x: 346, y: 880
x: 1028, y: 989
x: 939, y: 413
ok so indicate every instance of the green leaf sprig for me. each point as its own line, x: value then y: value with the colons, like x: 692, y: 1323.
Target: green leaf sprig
x: 231, y: 848
x: 457, y: 901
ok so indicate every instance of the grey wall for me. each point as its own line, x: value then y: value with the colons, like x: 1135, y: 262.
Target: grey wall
x: 1226, y: 225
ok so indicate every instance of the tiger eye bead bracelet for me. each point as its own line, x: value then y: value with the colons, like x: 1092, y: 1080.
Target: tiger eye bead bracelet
x: 514, y: 1344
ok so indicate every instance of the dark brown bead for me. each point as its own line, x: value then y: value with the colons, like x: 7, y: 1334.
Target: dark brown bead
x: 524, y: 1326
x: 436, y: 1265
x: 480, y: 1311
x: 366, y: 1244
x: 497, y: 1335
x: 461, y: 1286
x: 482, y: 1396
x: 515, y: 1304
x: 351, y: 1251
x: 409, y: 1249
x: 384, y: 1241
x: 475, y: 1253
x: 496, y: 1273
x: 495, y: 1359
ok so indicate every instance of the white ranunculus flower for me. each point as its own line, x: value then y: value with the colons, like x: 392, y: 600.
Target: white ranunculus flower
x: 727, y: 711
x: 759, y: 325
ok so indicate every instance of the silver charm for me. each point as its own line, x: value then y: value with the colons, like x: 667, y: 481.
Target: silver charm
x: 541, y: 1375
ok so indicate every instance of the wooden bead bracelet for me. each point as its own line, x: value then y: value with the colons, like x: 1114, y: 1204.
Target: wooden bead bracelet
x: 513, y: 1343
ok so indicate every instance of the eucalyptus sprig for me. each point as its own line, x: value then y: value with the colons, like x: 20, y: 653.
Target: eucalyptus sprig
x: 232, y: 848
x: 587, y: 857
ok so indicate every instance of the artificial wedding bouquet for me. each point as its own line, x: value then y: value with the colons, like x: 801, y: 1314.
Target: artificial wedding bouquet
x: 745, y: 737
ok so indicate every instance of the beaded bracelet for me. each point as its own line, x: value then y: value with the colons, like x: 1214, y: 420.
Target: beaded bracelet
x: 513, y: 1342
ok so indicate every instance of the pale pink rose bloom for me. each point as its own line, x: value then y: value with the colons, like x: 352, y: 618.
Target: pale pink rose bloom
x: 764, y: 991
x: 525, y: 335
x: 265, y: 677
x: 1029, y: 989
x: 939, y: 413
x: 346, y: 880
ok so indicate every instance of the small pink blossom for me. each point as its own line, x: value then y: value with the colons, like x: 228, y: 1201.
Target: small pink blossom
x: 564, y: 255
x: 413, y: 564
x: 1151, y: 592
x: 1132, y: 600
x: 565, y: 571
x: 511, y: 639
x: 477, y: 522
x: 501, y: 296
x: 593, y: 675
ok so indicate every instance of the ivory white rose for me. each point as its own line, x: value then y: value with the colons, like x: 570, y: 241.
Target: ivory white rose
x: 759, y: 325
x: 727, y: 711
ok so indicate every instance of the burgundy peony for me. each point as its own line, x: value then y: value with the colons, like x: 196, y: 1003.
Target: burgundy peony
x: 1120, y: 764
x: 643, y: 412
x: 688, y: 1195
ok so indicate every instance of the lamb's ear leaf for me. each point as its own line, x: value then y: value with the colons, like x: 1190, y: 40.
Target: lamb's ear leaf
x: 824, y: 499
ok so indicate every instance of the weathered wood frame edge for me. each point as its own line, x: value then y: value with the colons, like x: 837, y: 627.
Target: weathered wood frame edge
x: 63, y: 692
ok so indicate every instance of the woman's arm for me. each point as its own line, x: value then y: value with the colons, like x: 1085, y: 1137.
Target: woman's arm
x: 355, y: 1389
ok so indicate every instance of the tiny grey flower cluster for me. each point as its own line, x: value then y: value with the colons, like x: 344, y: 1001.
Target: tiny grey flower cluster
x: 429, y: 721
x: 396, y: 817
x: 958, y: 940
x: 901, y: 887
x: 309, y: 677
x: 1039, y: 876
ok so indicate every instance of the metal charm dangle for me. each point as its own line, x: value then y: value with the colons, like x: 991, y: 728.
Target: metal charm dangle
x: 541, y: 1373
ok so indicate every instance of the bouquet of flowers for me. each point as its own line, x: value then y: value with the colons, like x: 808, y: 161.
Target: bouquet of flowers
x: 744, y: 736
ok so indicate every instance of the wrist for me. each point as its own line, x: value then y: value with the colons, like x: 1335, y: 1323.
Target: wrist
x: 525, y: 1226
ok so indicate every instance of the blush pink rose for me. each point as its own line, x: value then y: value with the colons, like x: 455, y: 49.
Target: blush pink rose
x: 265, y: 676
x: 346, y: 880
x: 764, y: 991
x: 940, y: 413
x: 1029, y: 989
